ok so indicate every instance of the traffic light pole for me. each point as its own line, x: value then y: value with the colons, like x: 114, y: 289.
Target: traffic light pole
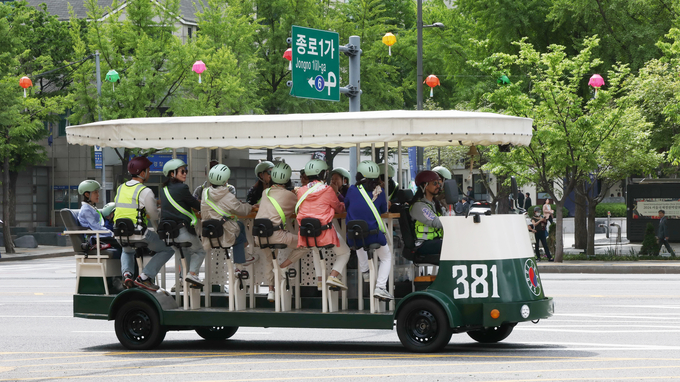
x: 353, y: 91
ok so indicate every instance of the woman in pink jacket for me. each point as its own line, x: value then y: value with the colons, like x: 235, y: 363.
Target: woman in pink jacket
x: 318, y: 200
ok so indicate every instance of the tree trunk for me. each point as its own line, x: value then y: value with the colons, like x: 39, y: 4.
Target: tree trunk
x: 559, y: 240
x: 6, y: 202
x: 13, y: 176
x: 590, y: 250
x: 580, y: 230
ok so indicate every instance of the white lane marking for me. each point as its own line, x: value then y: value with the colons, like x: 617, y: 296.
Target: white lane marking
x: 605, y: 346
x: 549, y: 324
x: 596, y: 331
x: 36, y: 316
x: 604, y: 315
x: 644, y: 306
x: 92, y: 331
x: 37, y: 302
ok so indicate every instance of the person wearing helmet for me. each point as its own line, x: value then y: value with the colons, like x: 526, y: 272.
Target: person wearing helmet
x: 318, y: 200
x: 425, y: 211
x: 366, y: 201
x: 538, y: 227
x: 218, y: 202
x: 177, y: 204
x: 107, y: 214
x: 278, y: 205
x: 263, y: 172
x: 137, y: 202
x: 391, y: 184
x: 198, y: 191
x: 89, y: 217
x: 340, y: 181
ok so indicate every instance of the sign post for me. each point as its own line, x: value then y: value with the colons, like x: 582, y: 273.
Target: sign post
x: 316, y: 64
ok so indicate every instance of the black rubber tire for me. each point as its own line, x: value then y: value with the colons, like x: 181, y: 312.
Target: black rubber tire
x: 216, y: 333
x: 423, y: 326
x: 138, y: 326
x: 493, y: 334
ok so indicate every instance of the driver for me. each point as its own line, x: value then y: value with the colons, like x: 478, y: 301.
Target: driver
x: 425, y: 211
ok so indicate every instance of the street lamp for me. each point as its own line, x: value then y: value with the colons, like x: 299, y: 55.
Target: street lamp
x: 419, y: 71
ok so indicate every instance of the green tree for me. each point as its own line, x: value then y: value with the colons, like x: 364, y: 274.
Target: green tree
x: 21, y: 119
x: 574, y: 136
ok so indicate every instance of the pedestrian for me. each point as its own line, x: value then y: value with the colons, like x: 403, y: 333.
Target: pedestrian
x: 365, y: 201
x: 137, y: 202
x: 662, y: 234
x: 539, y: 224
x: 459, y: 208
x: 470, y: 194
x: 520, y: 200
x: 89, y: 217
x: 263, y: 172
x: 548, y: 211
x: 527, y: 202
x: 318, y: 200
x: 177, y: 204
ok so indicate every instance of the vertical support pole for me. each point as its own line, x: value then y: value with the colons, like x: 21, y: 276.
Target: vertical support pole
x: 99, y: 95
x: 419, y: 74
x: 387, y: 186
x: 355, y: 101
x: 373, y: 152
x: 399, y: 176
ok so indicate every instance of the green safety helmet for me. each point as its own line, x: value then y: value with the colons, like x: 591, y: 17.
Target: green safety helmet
x: 369, y: 169
x: 88, y: 185
x: 390, y: 169
x: 342, y: 172
x: 108, y: 209
x: 262, y: 167
x: 281, y: 173
x: 219, y: 175
x: 315, y: 167
x: 441, y: 170
x: 173, y: 165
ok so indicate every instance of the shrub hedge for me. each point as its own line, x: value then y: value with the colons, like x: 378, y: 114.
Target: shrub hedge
x: 618, y: 210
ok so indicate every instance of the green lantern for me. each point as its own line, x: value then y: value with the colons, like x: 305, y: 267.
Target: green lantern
x: 503, y: 80
x: 113, y: 76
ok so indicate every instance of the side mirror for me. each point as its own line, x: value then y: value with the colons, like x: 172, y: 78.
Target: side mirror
x: 513, y: 187
x: 451, y: 191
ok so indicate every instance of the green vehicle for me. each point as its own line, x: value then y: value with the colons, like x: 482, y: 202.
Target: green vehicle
x: 485, y: 283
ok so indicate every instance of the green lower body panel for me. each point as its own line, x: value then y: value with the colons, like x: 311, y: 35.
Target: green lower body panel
x: 517, y: 311
x: 92, y: 306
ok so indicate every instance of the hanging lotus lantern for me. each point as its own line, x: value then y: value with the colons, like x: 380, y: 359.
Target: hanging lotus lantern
x: 389, y: 39
x: 199, y: 67
x: 432, y: 81
x: 288, y: 55
x: 112, y: 76
x: 25, y: 83
x: 596, y: 81
x: 503, y: 80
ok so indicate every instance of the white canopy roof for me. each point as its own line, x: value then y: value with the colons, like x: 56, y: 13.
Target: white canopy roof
x: 412, y: 128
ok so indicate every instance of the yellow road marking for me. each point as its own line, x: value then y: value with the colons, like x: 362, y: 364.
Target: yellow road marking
x: 38, y: 294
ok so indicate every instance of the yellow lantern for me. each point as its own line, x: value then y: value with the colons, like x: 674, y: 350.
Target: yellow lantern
x: 389, y: 39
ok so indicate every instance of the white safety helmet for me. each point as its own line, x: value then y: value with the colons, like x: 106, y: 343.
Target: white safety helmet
x: 173, y: 165
x: 281, y: 173
x: 88, y: 185
x: 390, y: 170
x: 219, y: 175
x: 369, y: 169
x: 441, y: 170
x: 262, y: 167
x: 108, y: 209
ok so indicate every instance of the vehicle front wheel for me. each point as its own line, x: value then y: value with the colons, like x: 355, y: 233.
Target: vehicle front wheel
x: 138, y: 326
x: 493, y: 334
x: 216, y: 333
x: 423, y: 326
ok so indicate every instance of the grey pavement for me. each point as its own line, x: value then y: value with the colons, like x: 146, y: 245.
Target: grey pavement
x: 603, y: 246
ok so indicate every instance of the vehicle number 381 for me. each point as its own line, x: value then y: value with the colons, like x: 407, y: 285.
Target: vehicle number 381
x: 475, y: 283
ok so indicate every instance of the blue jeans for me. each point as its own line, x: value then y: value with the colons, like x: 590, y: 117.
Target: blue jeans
x: 163, y: 254
x: 195, y: 253
x: 239, y: 248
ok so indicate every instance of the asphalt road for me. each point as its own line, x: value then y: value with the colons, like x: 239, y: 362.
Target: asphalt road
x: 606, y: 328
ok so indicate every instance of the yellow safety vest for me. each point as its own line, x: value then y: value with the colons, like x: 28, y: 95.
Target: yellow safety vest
x: 179, y: 208
x: 127, y: 202
x: 425, y: 232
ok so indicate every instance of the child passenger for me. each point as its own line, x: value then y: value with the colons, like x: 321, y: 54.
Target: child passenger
x: 89, y: 217
x: 366, y: 201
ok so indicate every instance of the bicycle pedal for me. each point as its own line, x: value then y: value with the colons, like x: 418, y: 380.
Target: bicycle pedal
x: 335, y: 288
x: 292, y: 272
x: 243, y: 275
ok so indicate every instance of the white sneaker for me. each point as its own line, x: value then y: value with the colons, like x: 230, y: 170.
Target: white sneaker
x: 382, y: 294
x: 318, y: 285
x: 366, y: 276
x: 193, y: 279
x: 271, y: 296
x: 249, y: 260
x: 334, y: 281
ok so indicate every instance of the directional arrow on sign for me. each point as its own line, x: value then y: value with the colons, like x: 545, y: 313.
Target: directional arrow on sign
x: 311, y: 82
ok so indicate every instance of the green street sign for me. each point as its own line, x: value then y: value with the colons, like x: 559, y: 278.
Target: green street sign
x: 316, y: 64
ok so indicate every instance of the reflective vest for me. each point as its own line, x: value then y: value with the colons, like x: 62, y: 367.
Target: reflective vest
x: 179, y: 208
x: 304, y: 196
x: 127, y: 202
x: 396, y: 187
x: 425, y: 232
x: 211, y: 204
x: 374, y: 210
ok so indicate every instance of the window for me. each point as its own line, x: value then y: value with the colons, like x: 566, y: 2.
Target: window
x: 63, y: 122
x: 189, y: 30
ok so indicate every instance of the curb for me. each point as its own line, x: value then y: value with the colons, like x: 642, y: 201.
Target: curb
x: 609, y: 269
x: 38, y: 256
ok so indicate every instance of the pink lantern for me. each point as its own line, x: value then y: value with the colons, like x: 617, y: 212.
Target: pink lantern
x: 199, y: 67
x: 596, y: 81
x: 288, y: 55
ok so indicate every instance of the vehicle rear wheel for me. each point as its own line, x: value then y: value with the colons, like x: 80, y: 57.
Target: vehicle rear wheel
x: 216, y: 333
x: 493, y: 334
x: 138, y: 326
x: 423, y: 326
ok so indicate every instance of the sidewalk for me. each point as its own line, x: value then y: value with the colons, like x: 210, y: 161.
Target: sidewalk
x: 42, y: 252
